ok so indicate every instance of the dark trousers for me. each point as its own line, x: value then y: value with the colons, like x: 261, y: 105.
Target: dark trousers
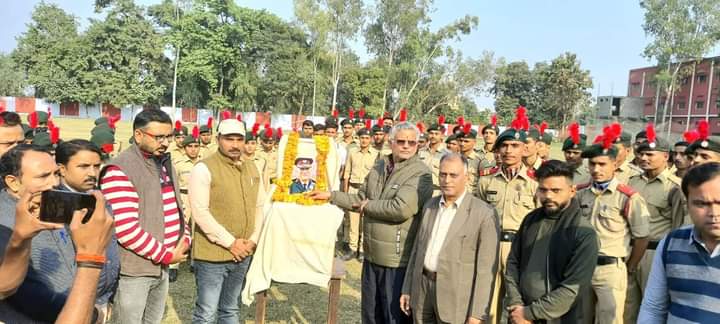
x: 381, y: 294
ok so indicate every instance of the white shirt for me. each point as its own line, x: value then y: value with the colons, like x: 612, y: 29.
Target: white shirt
x: 444, y: 219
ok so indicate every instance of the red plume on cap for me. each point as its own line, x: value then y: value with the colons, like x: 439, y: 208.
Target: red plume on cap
x: 50, y: 124
x: 542, y: 128
x: 403, y: 115
x: 441, y: 120
x: 460, y: 121
x: 691, y: 136
x: 226, y: 114
x: 381, y: 122
x: 368, y: 123
x: 195, y: 132
x: 178, y: 125
x: 268, y: 131
x: 255, y: 129
x: 239, y: 117
x: 279, y: 132
x: 33, y: 119
x: 650, y: 130
x: 493, y: 120
x: 420, y: 126
x: 361, y: 113
x: 54, y: 135
x: 108, y: 148
x: 210, y: 122
x: 467, y: 128
x: 703, y: 129
x: 335, y: 113
x: 609, y: 136
x: 574, y: 130
x: 112, y: 120
x: 351, y: 113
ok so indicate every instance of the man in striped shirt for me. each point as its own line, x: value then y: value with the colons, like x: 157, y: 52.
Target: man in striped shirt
x: 141, y: 186
x: 683, y: 284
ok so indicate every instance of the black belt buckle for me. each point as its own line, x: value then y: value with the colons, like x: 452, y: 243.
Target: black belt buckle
x: 183, y: 191
x: 606, y: 260
x: 652, y: 245
x: 507, y: 236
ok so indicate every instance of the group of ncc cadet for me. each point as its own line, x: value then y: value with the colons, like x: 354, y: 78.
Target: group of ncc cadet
x: 631, y: 205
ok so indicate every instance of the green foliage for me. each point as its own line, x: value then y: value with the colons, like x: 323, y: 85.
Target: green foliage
x: 12, y: 80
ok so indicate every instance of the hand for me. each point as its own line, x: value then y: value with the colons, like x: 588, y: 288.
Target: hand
x: 318, y: 195
x: 93, y: 236
x: 180, y: 252
x: 362, y: 205
x: 241, y: 249
x: 517, y: 315
x: 473, y: 320
x: 405, y: 304
x: 27, y: 223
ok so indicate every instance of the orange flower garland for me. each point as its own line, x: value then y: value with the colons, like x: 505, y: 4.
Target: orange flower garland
x: 282, y: 192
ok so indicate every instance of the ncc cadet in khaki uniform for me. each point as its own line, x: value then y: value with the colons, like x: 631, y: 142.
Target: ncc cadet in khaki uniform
x: 618, y: 214
x: 705, y: 150
x: 207, y: 146
x: 176, y: 147
x: 531, y: 159
x: 572, y: 149
x: 358, y: 165
x: 467, y: 138
x: 667, y: 207
x: 433, y: 153
x: 489, y: 133
x: 251, y: 154
x: 379, y: 143
x: 680, y: 159
x: 269, y: 152
x: 510, y: 188
x: 625, y: 169
x: 347, y: 139
x: 543, y: 145
x: 451, y: 144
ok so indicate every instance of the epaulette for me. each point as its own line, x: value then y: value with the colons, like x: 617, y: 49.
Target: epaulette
x: 489, y: 171
x: 531, y: 173
x: 583, y: 186
x: 626, y: 190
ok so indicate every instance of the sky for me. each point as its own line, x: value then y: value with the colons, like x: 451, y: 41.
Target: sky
x: 606, y: 35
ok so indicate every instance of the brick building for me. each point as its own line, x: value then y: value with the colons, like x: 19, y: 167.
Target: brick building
x: 697, y: 98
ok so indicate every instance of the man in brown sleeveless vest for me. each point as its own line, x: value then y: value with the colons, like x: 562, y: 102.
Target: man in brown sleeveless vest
x: 226, y: 201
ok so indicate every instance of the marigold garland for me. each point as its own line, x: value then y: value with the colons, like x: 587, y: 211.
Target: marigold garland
x: 282, y: 192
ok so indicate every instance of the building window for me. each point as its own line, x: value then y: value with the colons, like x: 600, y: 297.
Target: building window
x: 699, y: 104
x: 701, y: 78
x: 681, y: 105
x: 635, y: 86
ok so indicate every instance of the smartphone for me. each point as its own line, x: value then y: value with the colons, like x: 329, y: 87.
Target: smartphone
x: 58, y: 206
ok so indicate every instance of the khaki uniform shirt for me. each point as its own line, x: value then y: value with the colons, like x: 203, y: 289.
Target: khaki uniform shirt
x: 475, y: 162
x: 176, y: 153
x: 271, y: 162
x: 354, y: 145
x: 617, y: 214
x: 489, y: 158
x: 384, y: 150
x: 207, y: 150
x: 359, y: 164
x: 432, y: 160
x: 581, y: 175
x: 512, y: 198
x: 665, y: 202
x: 261, y: 164
x: 183, y: 167
x: 625, y: 171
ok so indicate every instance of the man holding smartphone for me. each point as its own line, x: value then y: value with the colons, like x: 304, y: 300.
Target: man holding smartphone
x: 51, y: 252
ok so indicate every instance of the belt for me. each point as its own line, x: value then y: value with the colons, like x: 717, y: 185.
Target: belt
x: 432, y: 275
x: 184, y: 191
x: 507, y: 236
x: 356, y: 185
x: 605, y: 260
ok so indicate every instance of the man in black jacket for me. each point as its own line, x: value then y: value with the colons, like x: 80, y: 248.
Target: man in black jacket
x: 553, y: 256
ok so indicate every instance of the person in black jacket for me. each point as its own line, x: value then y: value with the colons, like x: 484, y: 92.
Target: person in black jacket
x: 553, y: 256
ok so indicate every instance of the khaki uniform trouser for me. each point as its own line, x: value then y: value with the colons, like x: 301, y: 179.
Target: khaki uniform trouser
x: 186, y: 213
x: 352, y: 226
x: 609, y: 282
x: 636, y: 287
x: 497, y: 308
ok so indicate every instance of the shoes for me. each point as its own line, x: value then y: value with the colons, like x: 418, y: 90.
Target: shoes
x: 172, y: 275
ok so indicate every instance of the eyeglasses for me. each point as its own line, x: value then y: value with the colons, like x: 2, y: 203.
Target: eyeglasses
x: 159, y: 138
x: 404, y: 142
x: 13, y: 143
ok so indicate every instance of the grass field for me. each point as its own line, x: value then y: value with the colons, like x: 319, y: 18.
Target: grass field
x: 286, y: 303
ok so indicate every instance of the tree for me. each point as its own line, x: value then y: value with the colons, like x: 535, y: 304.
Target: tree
x: 565, y: 89
x: 681, y: 31
x: 12, y: 81
x: 126, y: 57
x: 52, y: 56
x: 515, y: 84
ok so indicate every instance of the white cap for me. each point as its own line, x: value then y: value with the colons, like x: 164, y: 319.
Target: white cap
x: 231, y: 126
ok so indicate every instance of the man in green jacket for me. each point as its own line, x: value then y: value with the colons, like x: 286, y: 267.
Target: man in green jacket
x: 553, y: 256
x: 389, y: 200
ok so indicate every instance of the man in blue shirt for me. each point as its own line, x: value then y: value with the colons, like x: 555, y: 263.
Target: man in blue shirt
x: 683, y: 283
